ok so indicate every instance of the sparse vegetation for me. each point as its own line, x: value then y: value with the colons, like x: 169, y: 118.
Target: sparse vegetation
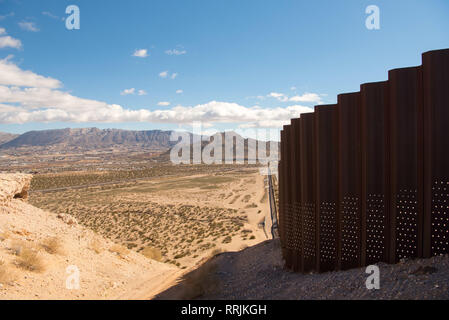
x: 216, y: 252
x: 119, y: 250
x: 30, y: 259
x: 4, y: 235
x: 228, y: 239
x: 264, y: 197
x: 53, y: 245
x: 7, y: 273
x: 125, y: 214
x: 152, y: 253
x: 252, y: 205
x: 96, y: 246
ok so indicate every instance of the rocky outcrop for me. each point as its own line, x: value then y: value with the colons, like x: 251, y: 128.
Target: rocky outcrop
x: 14, y: 186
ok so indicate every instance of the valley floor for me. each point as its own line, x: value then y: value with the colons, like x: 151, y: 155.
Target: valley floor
x: 186, y: 217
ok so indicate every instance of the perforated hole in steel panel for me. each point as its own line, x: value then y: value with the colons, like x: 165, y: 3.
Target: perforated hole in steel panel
x: 375, y: 227
x: 296, y: 222
x: 281, y: 222
x: 406, y: 223
x: 350, y: 229
x: 328, y: 232
x: 289, y: 228
x: 440, y: 218
x: 308, y: 212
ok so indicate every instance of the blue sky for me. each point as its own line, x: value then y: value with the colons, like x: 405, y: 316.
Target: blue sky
x: 238, y: 63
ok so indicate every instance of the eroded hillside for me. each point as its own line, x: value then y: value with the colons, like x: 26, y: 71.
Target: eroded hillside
x: 39, y: 251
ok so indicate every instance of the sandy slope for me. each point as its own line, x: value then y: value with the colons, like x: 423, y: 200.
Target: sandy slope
x: 103, y: 275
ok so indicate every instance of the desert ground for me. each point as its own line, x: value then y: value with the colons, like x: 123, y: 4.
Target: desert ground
x: 258, y: 273
x: 38, y: 249
x: 129, y: 240
x: 183, y: 217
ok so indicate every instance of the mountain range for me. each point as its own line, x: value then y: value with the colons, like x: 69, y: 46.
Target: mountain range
x: 88, y: 139
x: 96, y: 139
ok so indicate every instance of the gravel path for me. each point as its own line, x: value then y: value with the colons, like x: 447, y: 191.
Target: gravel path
x: 257, y: 273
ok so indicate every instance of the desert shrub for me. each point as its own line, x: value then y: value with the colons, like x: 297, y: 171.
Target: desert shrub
x: 4, y: 235
x: 181, y: 255
x: 96, y: 246
x: 53, y: 245
x: 17, y: 246
x: 152, y: 253
x: 216, y: 252
x: 252, y: 205
x: 228, y: 239
x: 234, y: 199
x: 264, y: 197
x: 29, y: 259
x: 6, y: 273
x: 119, y: 250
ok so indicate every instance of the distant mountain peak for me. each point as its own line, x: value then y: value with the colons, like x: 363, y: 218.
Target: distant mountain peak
x: 6, y: 137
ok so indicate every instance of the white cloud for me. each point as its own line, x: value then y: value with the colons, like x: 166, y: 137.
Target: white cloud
x: 128, y: 91
x: 175, y: 52
x: 133, y: 91
x: 10, y: 42
x: 166, y: 74
x: 141, y: 53
x: 6, y: 15
x: 179, y: 91
x: 280, y: 96
x: 29, y: 97
x: 28, y: 26
x: 12, y: 75
x: 307, y: 97
x: 293, y: 88
x: 163, y: 103
x: 49, y: 14
x: 7, y: 41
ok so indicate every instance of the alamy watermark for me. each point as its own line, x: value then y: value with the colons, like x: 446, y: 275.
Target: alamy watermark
x: 229, y: 147
x: 373, y: 280
x: 372, y: 22
x: 72, y: 282
x: 72, y: 22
